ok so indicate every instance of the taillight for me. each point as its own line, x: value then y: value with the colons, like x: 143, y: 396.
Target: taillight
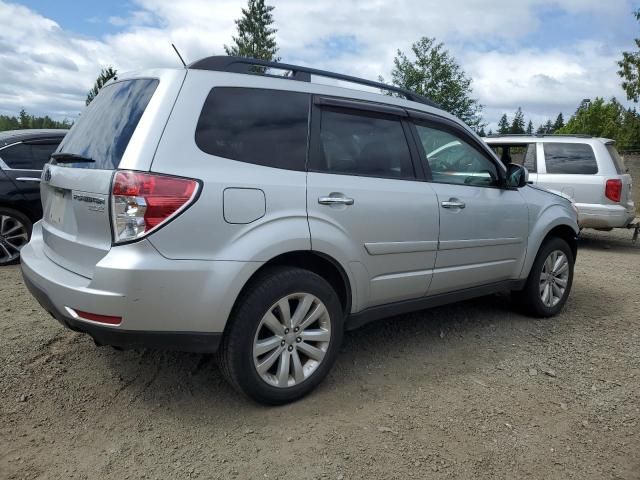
x: 613, y: 190
x: 142, y: 202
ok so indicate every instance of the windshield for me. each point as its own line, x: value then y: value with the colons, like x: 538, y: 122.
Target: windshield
x: 104, y: 129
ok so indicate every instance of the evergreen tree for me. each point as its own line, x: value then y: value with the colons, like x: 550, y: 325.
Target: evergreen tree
x: 545, y: 128
x: 256, y: 38
x: 481, y: 132
x: 503, y: 125
x: 517, y: 125
x: 25, y: 120
x: 435, y: 74
x: 106, y: 74
x: 630, y: 69
x: 530, y: 128
x: 559, y: 123
x: 490, y: 132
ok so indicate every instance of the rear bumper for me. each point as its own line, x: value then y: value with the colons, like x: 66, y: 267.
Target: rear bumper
x: 201, y: 342
x: 169, y: 304
x: 604, y: 216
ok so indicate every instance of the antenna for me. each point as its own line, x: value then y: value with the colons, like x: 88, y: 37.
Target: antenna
x: 179, y: 56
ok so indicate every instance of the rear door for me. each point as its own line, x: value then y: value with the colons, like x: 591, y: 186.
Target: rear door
x: 365, y: 202
x: 119, y: 129
x: 622, y: 172
x: 483, y: 227
x: 571, y: 170
x: 25, y: 161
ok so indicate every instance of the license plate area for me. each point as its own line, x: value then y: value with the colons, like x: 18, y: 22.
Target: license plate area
x: 57, y: 207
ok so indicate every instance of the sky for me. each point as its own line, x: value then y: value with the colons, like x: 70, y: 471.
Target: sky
x: 542, y: 55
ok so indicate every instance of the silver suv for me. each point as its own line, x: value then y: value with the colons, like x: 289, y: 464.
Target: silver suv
x: 223, y: 208
x: 587, y: 170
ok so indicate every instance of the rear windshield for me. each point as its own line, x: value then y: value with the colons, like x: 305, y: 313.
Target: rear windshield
x: 617, y: 159
x: 104, y: 129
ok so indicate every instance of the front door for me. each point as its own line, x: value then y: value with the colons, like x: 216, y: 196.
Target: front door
x: 365, y: 202
x: 483, y: 227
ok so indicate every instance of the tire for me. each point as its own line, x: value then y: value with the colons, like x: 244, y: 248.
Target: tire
x: 258, y: 331
x: 540, y: 296
x: 15, y: 232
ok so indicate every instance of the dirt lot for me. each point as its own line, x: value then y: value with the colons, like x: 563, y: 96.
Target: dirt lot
x: 467, y: 391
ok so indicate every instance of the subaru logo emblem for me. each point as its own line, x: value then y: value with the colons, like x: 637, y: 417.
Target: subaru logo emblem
x: 47, y: 174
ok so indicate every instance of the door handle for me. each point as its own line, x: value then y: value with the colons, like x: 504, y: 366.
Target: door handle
x: 335, y: 201
x: 452, y: 203
x: 28, y: 179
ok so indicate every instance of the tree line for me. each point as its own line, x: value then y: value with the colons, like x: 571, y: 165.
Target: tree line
x: 429, y: 70
x: 24, y: 120
x: 519, y: 126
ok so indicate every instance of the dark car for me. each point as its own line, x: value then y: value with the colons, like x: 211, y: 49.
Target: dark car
x: 23, y: 153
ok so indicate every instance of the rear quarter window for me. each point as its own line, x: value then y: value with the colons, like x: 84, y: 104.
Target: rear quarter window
x: 618, y: 162
x: 258, y: 126
x: 570, y: 158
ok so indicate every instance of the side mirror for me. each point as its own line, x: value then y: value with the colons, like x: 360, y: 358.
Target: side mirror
x: 517, y: 176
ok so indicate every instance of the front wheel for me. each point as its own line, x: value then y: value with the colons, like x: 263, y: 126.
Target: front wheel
x: 283, y: 337
x: 550, y: 280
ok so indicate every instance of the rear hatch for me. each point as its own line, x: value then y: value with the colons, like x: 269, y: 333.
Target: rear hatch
x: 119, y: 129
x: 626, y: 197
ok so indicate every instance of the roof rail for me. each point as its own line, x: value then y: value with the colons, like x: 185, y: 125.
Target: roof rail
x: 223, y: 63
x: 576, y: 135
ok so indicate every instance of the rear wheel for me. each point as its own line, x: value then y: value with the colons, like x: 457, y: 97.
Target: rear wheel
x: 15, y: 231
x: 283, y: 336
x: 550, y: 280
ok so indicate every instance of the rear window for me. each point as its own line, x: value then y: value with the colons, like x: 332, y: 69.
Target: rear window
x: 357, y: 143
x: 617, y: 159
x: 263, y: 127
x: 104, y: 129
x: 570, y: 158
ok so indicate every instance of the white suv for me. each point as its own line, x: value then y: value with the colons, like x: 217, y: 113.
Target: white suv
x: 587, y: 170
x: 222, y: 208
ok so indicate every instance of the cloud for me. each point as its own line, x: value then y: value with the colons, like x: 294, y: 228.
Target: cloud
x: 47, y: 69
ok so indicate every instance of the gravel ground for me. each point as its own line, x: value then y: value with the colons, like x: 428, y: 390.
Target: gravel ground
x: 472, y: 390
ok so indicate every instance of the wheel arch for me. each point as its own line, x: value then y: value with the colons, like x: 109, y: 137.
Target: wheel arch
x: 566, y: 233
x: 319, y: 263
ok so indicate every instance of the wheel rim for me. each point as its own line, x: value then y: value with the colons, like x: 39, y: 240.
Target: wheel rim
x: 554, y: 278
x: 13, y: 236
x: 292, y: 340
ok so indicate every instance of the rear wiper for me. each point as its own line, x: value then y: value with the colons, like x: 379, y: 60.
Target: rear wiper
x: 62, y: 157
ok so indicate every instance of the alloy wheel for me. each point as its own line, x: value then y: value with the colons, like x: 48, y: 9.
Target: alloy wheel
x: 554, y: 278
x: 13, y: 236
x: 292, y: 340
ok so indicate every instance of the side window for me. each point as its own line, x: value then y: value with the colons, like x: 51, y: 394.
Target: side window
x: 17, y: 156
x: 521, y: 154
x: 263, y: 127
x: 572, y: 158
x: 363, y: 144
x: 28, y: 156
x: 452, y: 160
x: 41, y: 153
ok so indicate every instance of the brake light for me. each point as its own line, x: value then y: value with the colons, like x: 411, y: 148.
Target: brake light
x: 142, y: 202
x: 613, y: 190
